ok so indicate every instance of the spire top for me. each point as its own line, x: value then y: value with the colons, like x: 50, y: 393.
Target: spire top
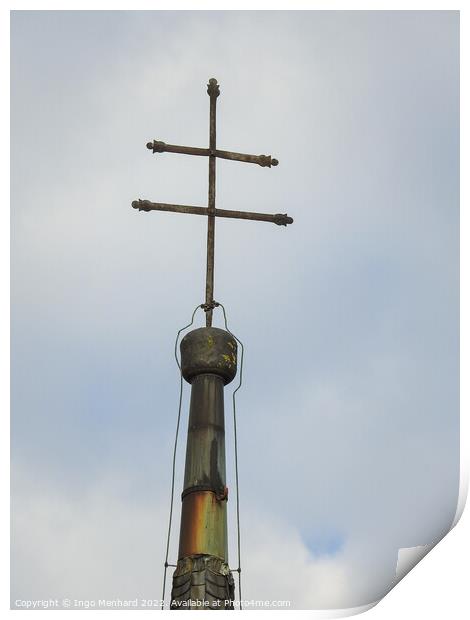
x: 265, y: 161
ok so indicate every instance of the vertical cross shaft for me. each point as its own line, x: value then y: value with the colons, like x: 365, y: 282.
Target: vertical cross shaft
x: 213, y: 92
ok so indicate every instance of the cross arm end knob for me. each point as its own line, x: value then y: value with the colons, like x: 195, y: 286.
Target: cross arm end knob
x: 282, y: 219
x: 266, y: 161
x: 142, y: 205
x: 156, y: 146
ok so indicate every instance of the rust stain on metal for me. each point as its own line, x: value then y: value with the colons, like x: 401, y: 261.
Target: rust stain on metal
x: 281, y: 219
x: 203, y: 525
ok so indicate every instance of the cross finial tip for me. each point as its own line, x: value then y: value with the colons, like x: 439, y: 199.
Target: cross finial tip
x: 274, y: 162
x: 213, y: 89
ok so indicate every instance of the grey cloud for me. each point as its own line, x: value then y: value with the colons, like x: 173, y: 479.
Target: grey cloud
x: 349, y: 317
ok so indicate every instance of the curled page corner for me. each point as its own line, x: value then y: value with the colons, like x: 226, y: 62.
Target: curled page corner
x: 329, y: 614
x: 463, y: 493
x: 350, y: 611
x: 407, y: 559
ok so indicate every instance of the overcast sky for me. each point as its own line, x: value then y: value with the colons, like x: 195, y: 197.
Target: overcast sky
x: 348, y: 417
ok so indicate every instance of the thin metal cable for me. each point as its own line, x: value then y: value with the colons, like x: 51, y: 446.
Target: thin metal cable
x: 239, y: 569
x: 174, y: 453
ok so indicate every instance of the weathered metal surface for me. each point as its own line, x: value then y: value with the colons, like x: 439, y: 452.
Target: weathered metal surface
x: 157, y: 146
x: 205, y: 452
x: 208, y: 361
x: 203, y: 525
x: 202, y: 582
x: 281, y: 219
x: 213, y: 92
x: 209, y: 350
x: 265, y: 161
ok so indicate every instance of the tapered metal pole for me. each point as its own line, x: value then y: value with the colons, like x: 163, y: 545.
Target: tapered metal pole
x: 202, y: 577
x: 213, y: 92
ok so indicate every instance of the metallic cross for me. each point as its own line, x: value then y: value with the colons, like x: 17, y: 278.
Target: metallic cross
x: 212, y: 153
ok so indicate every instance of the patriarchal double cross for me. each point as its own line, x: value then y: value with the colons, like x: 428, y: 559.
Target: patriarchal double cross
x: 212, y: 153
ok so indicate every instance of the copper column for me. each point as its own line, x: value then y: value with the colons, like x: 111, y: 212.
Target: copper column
x: 202, y: 578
